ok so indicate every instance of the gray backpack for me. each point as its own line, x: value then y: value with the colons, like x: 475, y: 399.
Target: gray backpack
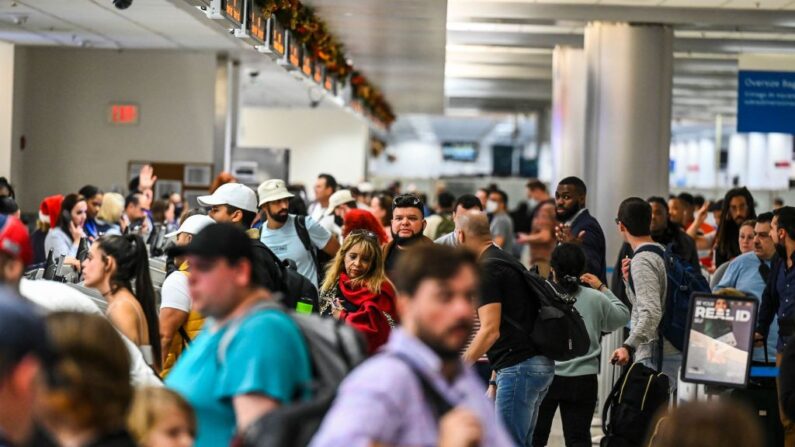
x: 334, y: 350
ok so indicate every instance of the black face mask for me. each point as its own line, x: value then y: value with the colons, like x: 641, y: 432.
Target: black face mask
x: 178, y: 211
x: 338, y: 221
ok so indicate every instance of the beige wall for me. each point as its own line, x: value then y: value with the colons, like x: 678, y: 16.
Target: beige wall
x: 329, y: 141
x: 62, y: 112
x: 6, y: 106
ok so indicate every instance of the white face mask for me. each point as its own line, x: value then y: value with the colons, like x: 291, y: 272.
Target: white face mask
x: 491, y: 206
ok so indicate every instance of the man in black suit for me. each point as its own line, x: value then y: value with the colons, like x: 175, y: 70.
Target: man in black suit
x: 577, y: 226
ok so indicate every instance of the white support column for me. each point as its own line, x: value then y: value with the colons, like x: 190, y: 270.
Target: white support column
x: 568, y: 113
x: 628, y: 130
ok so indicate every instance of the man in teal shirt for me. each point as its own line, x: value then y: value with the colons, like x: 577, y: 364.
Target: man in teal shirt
x: 250, y: 360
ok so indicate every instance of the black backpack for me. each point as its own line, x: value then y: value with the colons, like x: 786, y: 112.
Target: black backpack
x: 319, y: 257
x: 559, y: 331
x: 298, y: 293
x: 630, y: 408
x: 683, y: 282
x: 334, y: 350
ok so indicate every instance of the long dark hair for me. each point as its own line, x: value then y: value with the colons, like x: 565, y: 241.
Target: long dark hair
x: 727, y: 245
x: 385, y: 202
x: 69, y: 202
x: 132, y: 263
x: 568, y: 261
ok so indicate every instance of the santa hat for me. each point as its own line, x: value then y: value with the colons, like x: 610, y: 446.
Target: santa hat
x: 50, y: 209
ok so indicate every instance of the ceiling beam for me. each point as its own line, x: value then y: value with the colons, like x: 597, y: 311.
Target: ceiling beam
x: 460, y: 10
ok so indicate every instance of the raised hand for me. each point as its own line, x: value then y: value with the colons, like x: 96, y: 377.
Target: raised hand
x: 563, y: 235
x: 147, y: 178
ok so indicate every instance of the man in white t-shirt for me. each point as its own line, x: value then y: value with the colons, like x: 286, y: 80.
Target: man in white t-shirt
x: 280, y: 234
x: 175, y: 303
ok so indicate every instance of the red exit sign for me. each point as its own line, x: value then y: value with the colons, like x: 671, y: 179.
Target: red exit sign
x: 123, y: 114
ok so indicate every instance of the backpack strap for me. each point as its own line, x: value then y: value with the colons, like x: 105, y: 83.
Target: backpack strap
x: 646, y: 248
x: 234, y: 327
x: 303, y: 234
x: 439, y: 404
x: 186, y: 340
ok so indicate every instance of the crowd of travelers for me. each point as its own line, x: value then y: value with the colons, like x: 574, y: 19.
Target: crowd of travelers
x: 366, y: 317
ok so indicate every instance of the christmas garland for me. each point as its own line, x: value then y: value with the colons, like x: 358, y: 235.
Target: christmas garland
x: 315, y: 36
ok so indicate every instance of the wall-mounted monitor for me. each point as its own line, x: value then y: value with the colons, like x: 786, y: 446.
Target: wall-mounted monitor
x: 459, y: 151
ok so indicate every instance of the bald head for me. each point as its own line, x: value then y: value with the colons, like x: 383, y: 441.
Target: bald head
x: 473, y: 229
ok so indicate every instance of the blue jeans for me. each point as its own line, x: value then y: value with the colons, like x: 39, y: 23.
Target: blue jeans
x: 520, y: 390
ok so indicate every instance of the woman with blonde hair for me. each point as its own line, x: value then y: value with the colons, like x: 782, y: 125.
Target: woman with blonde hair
x: 88, y: 392
x: 160, y: 417
x: 357, y: 291
x: 109, y: 217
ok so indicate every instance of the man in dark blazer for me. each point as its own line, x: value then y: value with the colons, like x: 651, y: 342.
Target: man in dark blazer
x: 578, y: 226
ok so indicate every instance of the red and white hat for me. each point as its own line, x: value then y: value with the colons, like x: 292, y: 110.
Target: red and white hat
x: 50, y: 209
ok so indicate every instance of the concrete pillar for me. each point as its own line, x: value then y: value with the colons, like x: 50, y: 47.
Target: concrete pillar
x: 628, y: 119
x: 568, y: 113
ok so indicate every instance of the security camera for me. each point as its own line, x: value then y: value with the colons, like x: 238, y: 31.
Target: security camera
x: 122, y: 4
x: 253, y: 74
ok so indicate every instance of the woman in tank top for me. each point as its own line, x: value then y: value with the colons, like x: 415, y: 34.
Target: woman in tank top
x: 114, y: 263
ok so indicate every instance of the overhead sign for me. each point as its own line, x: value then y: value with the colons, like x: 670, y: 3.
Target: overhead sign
x: 766, y: 94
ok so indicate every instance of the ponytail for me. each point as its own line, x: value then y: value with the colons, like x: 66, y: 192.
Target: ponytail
x: 568, y: 261
x: 132, y: 263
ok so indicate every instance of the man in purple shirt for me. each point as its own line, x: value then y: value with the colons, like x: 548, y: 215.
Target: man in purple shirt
x: 416, y: 391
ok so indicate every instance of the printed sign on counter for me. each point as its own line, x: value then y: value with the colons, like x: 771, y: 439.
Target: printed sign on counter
x: 719, y: 340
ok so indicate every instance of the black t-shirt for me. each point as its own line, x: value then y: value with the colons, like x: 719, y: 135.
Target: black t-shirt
x: 505, y: 285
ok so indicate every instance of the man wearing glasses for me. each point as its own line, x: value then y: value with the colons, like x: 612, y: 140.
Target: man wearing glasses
x: 408, y: 223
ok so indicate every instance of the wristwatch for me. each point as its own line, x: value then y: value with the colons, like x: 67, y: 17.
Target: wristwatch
x: 493, y: 383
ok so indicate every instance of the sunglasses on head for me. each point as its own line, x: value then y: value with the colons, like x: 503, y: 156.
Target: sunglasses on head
x: 406, y: 200
x: 367, y: 234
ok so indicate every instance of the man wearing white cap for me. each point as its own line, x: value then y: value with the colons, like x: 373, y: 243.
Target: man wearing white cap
x: 233, y: 203
x: 281, y: 231
x: 178, y: 324
x: 340, y: 203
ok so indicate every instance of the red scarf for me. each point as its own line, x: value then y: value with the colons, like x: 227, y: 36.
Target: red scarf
x: 369, y: 317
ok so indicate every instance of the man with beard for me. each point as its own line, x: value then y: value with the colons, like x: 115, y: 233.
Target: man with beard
x: 577, y: 226
x: 738, y: 206
x: 778, y: 299
x: 521, y: 376
x: 416, y: 390
x: 408, y: 223
x: 749, y: 272
x: 236, y: 203
x: 281, y: 235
